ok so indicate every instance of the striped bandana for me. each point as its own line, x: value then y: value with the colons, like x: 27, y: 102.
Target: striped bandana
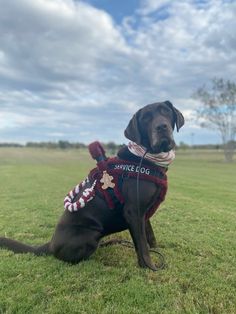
x: 163, y: 159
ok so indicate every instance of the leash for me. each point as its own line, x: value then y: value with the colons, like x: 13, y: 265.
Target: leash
x: 130, y: 245
x: 137, y: 183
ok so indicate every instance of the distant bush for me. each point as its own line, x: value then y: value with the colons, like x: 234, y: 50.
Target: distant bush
x: 11, y: 145
x: 55, y: 145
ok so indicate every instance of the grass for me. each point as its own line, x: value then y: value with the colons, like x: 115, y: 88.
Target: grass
x: 195, y: 229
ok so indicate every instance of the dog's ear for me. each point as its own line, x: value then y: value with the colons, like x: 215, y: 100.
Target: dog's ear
x: 179, y: 118
x: 132, y: 132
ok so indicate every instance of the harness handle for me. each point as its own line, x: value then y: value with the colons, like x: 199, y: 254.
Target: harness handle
x: 97, y: 151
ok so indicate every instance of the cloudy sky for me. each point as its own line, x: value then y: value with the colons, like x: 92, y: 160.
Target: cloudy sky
x: 78, y: 70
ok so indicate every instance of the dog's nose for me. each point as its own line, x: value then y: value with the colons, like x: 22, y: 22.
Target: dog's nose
x: 161, y: 127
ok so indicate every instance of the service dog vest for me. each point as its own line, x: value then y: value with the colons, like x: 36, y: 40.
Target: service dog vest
x: 107, y: 178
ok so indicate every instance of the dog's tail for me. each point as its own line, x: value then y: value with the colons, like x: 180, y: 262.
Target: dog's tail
x: 18, y: 247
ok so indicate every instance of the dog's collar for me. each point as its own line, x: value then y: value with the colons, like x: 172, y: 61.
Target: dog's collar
x: 163, y: 159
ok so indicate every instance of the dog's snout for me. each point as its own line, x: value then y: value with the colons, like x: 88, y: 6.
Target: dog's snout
x: 162, y: 127
x: 166, y: 145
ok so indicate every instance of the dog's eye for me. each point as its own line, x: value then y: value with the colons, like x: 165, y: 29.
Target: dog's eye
x: 165, y: 110
x: 147, y: 116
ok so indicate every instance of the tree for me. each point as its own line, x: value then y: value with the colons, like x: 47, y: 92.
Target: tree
x: 64, y: 144
x: 112, y: 147
x: 218, y: 111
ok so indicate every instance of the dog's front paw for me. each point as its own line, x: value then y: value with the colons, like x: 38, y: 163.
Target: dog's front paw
x: 147, y: 264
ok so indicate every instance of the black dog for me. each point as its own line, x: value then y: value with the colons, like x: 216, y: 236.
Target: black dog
x: 77, y: 234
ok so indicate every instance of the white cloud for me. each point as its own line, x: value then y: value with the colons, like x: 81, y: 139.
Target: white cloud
x: 10, y: 120
x: 57, y: 40
x: 65, y: 66
x: 149, y: 6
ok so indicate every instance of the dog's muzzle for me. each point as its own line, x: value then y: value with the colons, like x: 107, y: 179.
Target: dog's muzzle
x: 163, y: 144
x: 166, y: 145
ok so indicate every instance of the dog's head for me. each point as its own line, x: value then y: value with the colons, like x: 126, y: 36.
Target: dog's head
x: 153, y: 125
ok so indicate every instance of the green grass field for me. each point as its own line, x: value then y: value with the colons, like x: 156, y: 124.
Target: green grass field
x: 195, y: 228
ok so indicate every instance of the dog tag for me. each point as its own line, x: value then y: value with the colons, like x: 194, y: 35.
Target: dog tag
x: 107, y: 181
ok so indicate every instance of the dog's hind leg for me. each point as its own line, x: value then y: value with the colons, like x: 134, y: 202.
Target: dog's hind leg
x: 18, y: 247
x: 72, y: 247
x: 73, y: 254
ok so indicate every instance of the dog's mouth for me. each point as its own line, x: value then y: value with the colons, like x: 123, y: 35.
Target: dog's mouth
x: 165, y: 145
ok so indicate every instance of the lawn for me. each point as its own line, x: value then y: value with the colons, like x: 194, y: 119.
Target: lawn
x: 195, y: 228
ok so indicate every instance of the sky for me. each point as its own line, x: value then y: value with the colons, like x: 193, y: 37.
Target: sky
x: 78, y: 70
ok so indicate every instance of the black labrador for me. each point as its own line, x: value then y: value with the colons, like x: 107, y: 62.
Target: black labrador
x: 77, y: 234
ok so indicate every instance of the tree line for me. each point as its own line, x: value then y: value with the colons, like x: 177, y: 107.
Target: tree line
x: 110, y: 146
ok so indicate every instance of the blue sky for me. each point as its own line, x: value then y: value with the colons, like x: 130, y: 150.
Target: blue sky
x: 78, y: 70
x: 117, y: 9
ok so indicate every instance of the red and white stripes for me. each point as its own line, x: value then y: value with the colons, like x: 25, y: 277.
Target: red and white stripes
x: 161, y: 159
x: 87, y: 195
